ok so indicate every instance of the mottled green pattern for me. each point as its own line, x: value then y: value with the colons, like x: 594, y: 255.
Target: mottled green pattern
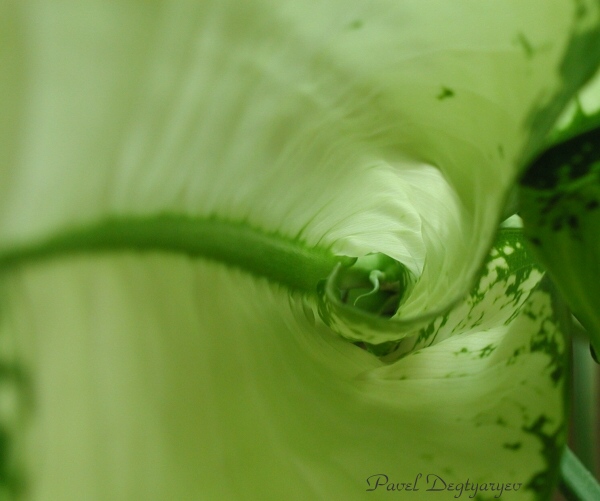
x: 283, y: 133
x: 532, y: 337
x: 506, y: 280
x: 560, y: 199
x: 509, y: 293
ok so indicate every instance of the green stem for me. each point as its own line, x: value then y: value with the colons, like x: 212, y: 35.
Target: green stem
x: 577, y: 483
x: 279, y: 259
x: 584, y: 398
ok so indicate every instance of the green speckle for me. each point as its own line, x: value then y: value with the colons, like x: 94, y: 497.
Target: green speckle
x: 514, y: 356
x: 526, y: 45
x: 536, y: 241
x: 445, y: 93
x: 487, y: 351
x: 582, y: 10
x: 356, y: 24
x: 556, y: 375
x: 515, y: 446
x: 573, y: 222
x: 541, y: 483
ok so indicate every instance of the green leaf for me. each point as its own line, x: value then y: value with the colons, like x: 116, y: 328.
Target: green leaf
x: 560, y: 200
x: 506, y: 279
x: 327, y: 131
x: 577, y: 483
x: 318, y: 122
x: 162, y: 377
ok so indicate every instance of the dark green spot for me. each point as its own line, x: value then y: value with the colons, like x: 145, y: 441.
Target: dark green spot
x: 542, y: 482
x: 446, y: 93
x: 557, y: 224
x: 356, y: 24
x: 573, y: 222
x: 487, y: 351
x: 515, y: 446
x: 536, y: 241
x: 557, y: 374
x: 525, y: 44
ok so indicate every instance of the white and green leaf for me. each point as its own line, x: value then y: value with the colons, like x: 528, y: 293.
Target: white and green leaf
x: 180, y: 179
x: 169, y: 377
x: 211, y: 110
x: 560, y: 199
